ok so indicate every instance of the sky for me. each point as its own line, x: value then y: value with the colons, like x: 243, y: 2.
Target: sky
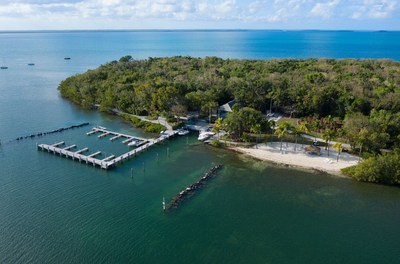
x: 201, y: 14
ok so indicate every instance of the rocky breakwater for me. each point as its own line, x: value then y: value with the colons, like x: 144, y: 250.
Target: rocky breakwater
x: 50, y: 132
x: 192, y: 188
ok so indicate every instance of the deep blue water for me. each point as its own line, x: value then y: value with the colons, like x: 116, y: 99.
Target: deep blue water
x: 54, y: 210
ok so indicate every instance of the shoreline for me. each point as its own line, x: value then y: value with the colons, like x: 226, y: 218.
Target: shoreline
x: 298, y: 158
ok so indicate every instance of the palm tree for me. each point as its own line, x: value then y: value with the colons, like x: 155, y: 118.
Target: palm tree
x: 283, y: 130
x: 256, y: 129
x: 296, y: 133
x: 362, y: 138
x: 209, y: 105
x: 338, y: 147
x: 271, y: 125
x: 328, y: 135
x: 218, y: 125
x: 303, y: 127
x: 328, y: 122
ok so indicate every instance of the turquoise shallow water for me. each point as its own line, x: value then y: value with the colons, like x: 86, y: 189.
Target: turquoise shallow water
x: 54, y: 210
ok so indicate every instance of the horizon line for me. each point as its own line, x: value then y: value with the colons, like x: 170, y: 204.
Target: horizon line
x: 188, y: 30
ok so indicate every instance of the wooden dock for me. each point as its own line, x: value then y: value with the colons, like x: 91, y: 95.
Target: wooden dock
x: 115, y: 137
x: 108, y: 161
x: 81, y: 150
x: 70, y: 147
x: 58, y: 144
x: 104, y: 132
x: 94, y: 154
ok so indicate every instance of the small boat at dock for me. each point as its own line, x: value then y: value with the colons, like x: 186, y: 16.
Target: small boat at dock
x: 182, y: 132
x: 133, y: 143
x: 204, y: 135
x: 136, y: 143
x: 164, y: 133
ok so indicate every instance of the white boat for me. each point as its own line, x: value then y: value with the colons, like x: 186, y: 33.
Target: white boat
x: 204, y: 135
x: 164, y: 133
x: 182, y: 132
x: 140, y: 142
x: 133, y: 143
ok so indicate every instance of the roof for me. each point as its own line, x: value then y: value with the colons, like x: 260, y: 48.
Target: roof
x: 227, y: 107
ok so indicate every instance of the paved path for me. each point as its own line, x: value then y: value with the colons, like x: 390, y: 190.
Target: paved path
x: 160, y: 120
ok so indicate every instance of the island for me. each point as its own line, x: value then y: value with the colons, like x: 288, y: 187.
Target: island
x: 347, y: 106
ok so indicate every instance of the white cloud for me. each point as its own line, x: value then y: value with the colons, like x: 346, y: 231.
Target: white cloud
x: 16, y: 9
x: 375, y: 9
x: 220, y: 9
x: 274, y: 11
x: 200, y: 13
x: 324, y: 10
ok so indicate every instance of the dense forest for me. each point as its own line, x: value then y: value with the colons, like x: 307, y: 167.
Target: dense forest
x: 357, y: 101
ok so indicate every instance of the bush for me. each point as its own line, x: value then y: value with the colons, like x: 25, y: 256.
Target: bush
x: 154, y: 128
x: 147, y: 126
x: 383, y: 169
x: 177, y: 125
x: 170, y: 119
x: 216, y: 143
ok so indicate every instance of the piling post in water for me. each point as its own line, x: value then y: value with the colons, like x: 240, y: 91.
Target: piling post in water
x: 163, y: 203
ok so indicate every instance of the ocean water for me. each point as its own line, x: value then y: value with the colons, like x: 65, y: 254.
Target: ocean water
x: 55, y: 210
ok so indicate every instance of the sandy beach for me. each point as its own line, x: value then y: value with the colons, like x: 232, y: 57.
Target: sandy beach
x: 299, y: 158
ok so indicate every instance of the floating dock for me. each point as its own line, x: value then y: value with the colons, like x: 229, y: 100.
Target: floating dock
x: 108, y: 161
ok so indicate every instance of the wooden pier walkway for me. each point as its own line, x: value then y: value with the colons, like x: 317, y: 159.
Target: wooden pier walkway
x: 81, y: 150
x: 70, y: 147
x: 116, y: 135
x: 58, y: 144
x: 94, y: 154
x: 108, y: 161
x: 104, y: 135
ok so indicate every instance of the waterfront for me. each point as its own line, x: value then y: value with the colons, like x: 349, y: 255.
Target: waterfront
x: 54, y: 210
